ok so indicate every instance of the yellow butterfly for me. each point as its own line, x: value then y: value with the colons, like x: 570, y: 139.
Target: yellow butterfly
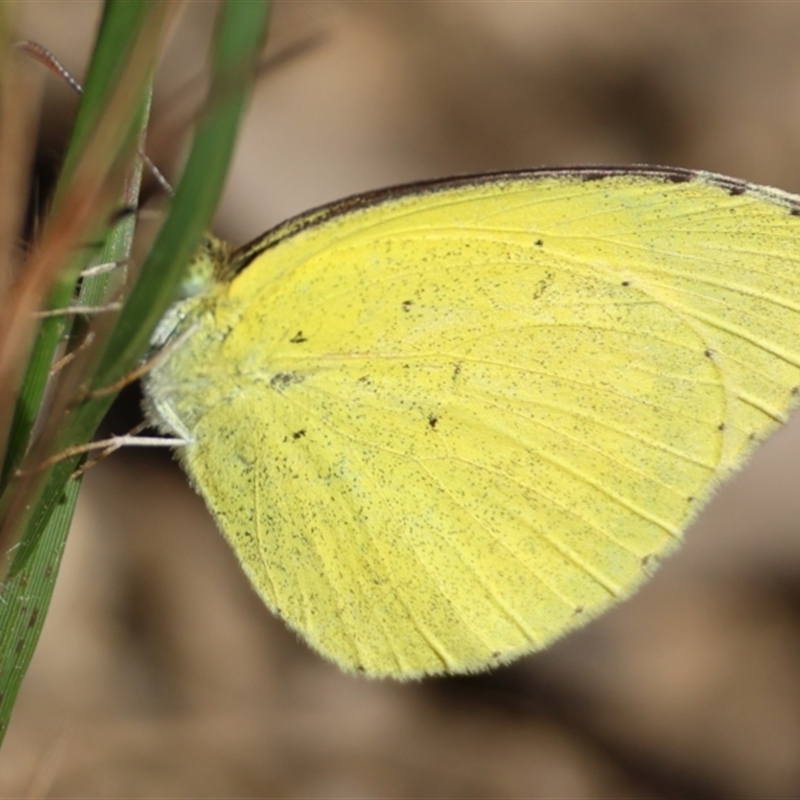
x: 443, y: 424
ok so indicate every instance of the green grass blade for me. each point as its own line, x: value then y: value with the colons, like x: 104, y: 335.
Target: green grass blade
x: 237, y: 48
x: 25, y: 601
x: 239, y: 41
x: 26, y: 595
x: 120, y: 25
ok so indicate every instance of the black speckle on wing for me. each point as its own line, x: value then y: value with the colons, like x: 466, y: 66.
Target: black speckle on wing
x: 543, y: 285
x: 281, y: 380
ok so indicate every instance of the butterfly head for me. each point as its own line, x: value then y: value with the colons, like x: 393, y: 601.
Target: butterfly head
x: 208, y: 266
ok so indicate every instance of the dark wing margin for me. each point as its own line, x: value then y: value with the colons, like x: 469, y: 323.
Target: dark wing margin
x: 669, y: 175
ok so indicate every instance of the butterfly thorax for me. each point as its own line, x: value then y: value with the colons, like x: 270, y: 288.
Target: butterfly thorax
x: 187, y: 340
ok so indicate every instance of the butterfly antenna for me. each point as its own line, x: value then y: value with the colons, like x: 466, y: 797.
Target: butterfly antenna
x: 41, y: 54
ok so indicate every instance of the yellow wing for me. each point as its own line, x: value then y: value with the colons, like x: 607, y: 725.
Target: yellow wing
x: 444, y: 424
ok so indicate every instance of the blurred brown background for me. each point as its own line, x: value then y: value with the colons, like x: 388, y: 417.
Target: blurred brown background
x: 160, y: 674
